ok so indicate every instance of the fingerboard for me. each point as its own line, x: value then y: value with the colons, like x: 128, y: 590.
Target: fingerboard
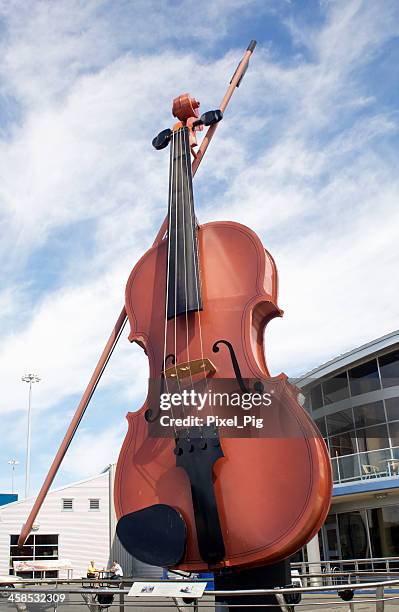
x: 183, y: 273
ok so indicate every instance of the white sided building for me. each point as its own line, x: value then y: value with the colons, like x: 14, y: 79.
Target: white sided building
x: 75, y: 523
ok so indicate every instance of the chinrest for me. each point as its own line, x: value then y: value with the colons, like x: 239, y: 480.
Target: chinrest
x: 155, y: 535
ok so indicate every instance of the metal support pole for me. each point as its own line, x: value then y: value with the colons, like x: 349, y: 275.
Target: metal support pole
x: 380, y: 603
x: 28, y: 378
x: 27, y: 463
x: 313, y: 551
x: 13, y: 463
x: 282, y: 603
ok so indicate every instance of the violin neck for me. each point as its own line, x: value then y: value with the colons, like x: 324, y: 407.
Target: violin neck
x: 184, y: 282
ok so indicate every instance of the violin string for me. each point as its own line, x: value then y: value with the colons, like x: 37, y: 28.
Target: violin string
x: 195, y: 255
x: 176, y: 221
x: 168, y: 251
x: 171, y: 175
x: 196, y: 263
x: 180, y: 190
x: 176, y: 260
x: 184, y: 151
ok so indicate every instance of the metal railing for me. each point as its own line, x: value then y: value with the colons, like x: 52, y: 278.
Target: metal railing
x: 330, y: 572
x: 366, y: 465
x: 374, y: 592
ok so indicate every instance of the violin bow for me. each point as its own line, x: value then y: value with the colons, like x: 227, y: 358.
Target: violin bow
x: 120, y: 323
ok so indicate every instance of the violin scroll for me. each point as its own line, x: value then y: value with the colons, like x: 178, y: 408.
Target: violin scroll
x: 185, y: 109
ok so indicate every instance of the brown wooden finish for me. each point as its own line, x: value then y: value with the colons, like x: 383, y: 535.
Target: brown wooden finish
x: 184, y: 107
x: 191, y: 368
x: 273, y: 493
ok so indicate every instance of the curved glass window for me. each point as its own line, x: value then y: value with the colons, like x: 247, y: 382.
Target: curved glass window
x: 321, y: 424
x: 316, y: 397
x: 373, y: 438
x: 375, y: 463
x: 339, y: 422
x: 389, y: 368
x: 363, y: 440
x: 344, y: 444
x: 369, y: 414
x: 348, y: 468
x: 392, y: 406
x: 336, y: 389
x: 334, y: 465
x: 364, y: 378
x: 394, y: 432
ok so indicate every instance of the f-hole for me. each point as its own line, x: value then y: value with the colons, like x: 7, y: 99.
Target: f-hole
x: 258, y: 386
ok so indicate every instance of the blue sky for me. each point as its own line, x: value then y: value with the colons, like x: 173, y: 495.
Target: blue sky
x: 306, y: 156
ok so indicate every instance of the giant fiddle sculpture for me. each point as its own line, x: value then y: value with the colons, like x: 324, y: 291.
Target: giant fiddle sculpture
x: 198, y: 303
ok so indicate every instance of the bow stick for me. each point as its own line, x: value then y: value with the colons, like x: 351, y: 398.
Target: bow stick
x: 119, y: 325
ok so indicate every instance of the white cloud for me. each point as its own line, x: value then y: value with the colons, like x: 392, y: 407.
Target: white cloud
x: 93, y: 452
x: 62, y: 343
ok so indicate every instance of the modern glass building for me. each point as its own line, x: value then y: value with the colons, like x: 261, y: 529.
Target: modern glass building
x: 354, y: 400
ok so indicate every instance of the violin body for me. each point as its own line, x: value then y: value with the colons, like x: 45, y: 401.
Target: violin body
x: 272, y: 493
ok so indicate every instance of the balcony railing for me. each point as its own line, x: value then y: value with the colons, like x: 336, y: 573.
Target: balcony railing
x: 381, y: 463
x: 359, y: 570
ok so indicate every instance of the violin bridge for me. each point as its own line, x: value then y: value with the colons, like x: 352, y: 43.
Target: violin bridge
x: 190, y: 368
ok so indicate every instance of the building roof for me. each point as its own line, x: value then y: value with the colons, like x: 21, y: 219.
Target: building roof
x: 67, y: 486
x: 7, y: 498
x: 347, y: 359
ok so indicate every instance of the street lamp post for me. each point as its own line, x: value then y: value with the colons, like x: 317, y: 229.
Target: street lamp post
x: 13, y: 463
x: 31, y: 379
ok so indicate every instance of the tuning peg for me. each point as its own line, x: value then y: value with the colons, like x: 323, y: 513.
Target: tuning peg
x: 162, y: 140
x: 209, y: 118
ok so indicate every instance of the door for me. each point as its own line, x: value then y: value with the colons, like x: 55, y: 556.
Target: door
x: 331, y: 544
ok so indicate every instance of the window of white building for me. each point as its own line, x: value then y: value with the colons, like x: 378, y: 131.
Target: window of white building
x: 36, y: 548
x: 67, y: 504
x: 94, y: 504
